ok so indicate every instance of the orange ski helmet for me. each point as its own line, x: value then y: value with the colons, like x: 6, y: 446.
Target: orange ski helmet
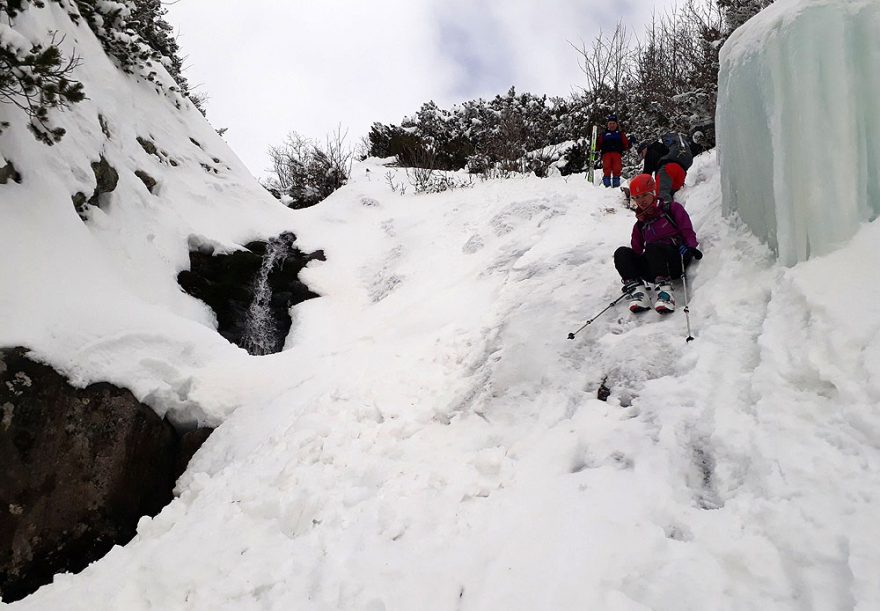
x: 641, y: 184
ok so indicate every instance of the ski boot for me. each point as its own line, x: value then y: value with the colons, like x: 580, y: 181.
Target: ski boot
x: 665, y: 303
x: 636, y: 292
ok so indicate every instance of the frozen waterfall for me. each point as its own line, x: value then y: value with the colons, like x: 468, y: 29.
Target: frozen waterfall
x: 797, y: 123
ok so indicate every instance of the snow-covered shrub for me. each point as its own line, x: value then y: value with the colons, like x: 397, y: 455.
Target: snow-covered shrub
x: 574, y: 159
x: 477, y: 133
x: 478, y: 163
x: 425, y: 180
x: 663, y: 80
x: 306, y: 171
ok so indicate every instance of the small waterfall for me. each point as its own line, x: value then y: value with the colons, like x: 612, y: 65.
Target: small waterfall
x: 261, y: 330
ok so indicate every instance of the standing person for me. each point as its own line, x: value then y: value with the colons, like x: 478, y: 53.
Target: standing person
x: 669, y: 159
x: 612, y: 144
x: 662, y: 239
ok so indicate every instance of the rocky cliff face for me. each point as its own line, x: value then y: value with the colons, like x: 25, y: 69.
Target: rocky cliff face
x: 80, y: 468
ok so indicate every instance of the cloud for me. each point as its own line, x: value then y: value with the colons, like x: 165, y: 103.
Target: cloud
x: 271, y: 67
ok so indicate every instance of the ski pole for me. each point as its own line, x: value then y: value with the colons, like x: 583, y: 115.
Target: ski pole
x: 687, y: 311
x: 608, y: 307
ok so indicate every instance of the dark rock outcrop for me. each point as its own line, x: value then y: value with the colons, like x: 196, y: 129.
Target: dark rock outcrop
x: 79, y: 469
x: 148, y: 146
x: 226, y: 283
x: 107, y: 178
x: 8, y: 172
x: 80, y: 204
x: 149, y: 181
x: 105, y: 126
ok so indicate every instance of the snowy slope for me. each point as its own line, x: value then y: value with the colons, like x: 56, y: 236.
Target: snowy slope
x: 99, y: 300
x: 429, y: 439
x: 434, y: 442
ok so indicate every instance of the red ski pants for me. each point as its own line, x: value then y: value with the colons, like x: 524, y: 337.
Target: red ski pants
x: 612, y: 164
x: 670, y: 178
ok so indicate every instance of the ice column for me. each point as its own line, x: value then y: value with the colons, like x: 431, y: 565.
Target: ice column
x: 798, y: 123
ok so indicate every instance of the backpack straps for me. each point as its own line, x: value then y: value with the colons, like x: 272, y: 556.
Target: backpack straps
x: 664, y: 209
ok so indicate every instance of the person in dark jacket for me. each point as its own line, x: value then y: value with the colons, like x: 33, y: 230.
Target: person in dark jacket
x: 663, y: 239
x: 612, y: 143
x: 670, y: 175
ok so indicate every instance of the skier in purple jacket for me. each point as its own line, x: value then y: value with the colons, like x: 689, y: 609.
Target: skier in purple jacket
x: 662, y: 239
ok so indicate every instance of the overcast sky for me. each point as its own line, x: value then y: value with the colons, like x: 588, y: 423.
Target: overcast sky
x: 274, y: 66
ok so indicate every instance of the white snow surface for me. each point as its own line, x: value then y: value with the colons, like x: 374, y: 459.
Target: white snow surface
x: 429, y: 439
x: 797, y: 123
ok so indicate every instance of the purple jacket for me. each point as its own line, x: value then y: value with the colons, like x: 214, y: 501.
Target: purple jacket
x: 660, y: 231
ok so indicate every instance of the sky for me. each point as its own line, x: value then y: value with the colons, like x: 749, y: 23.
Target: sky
x: 271, y: 67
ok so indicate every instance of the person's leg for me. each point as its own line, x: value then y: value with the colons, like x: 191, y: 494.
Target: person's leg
x: 606, y: 169
x: 632, y: 268
x: 663, y: 262
x: 670, y: 178
x: 678, y: 175
x: 664, y: 184
x: 616, y: 169
x: 629, y: 265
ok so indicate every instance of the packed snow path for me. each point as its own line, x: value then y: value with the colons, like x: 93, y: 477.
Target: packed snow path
x: 434, y: 441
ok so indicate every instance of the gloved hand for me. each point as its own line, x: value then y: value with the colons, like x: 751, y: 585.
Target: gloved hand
x: 694, y: 252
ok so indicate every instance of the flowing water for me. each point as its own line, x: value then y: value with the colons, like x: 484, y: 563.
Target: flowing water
x: 261, y: 335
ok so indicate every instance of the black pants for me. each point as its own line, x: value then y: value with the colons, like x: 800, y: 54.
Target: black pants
x: 659, y: 261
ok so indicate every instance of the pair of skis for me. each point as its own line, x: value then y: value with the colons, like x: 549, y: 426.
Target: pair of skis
x: 593, y: 156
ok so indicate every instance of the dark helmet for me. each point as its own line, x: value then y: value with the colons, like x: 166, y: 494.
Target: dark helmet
x: 612, y: 118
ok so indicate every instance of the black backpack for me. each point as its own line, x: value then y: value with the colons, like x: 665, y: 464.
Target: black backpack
x: 679, y: 149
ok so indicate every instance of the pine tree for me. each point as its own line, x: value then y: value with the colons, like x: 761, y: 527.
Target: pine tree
x: 148, y: 21
x: 35, y: 77
x: 737, y: 12
x: 137, y: 36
